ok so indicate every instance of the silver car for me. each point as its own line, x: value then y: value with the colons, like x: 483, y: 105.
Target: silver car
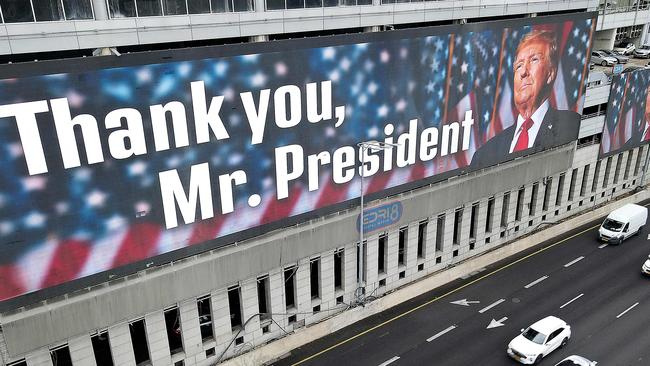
x: 600, y: 58
x: 621, y: 59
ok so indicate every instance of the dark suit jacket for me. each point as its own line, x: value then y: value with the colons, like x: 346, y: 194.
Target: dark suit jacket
x: 558, y: 128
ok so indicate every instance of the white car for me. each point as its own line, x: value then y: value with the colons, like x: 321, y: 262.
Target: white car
x: 645, y: 269
x: 576, y: 361
x: 642, y: 52
x: 538, y: 340
x: 625, y: 48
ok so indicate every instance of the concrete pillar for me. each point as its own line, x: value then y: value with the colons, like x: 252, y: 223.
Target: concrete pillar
x: 303, y: 293
x: 100, y: 8
x: 604, y: 39
x: 412, y: 249
x: 373, y: 28
x: 157, y: 339
x: 430, y: 243
x: 121, y: 345
x: 191, y: 333
x: 372, y: 258
x: 278, y: 307
x: 39, y: 358
x: 221, y: 319
x: 260, y: 6
x: 391, y: 252
x: 327, y: 280
x: 350, y: 271
x: 81, y: 351
x: 250, y: 307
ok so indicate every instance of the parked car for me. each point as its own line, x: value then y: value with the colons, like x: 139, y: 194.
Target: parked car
x: 539, y: 340
x: 625, y: 48
x: 619, y: 58
x: 622, y: 223
x: 642, y: 52
x: 576, y: 361
x: 634, y: 68
x: 599, y: 58
x: 645, y: 268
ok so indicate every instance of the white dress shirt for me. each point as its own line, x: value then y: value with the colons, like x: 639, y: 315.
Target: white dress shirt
x: 645, y: 130
x: 537, y: 118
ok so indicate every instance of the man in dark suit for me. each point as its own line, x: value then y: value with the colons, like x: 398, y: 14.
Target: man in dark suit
x: 538, y: 125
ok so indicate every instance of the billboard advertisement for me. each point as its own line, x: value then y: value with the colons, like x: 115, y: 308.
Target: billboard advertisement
x: 111, y: 165
x: 627, y: 122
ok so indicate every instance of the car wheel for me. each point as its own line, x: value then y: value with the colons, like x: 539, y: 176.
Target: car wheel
x: 538, y: 360
x: 564, y: 342
x: 604, y: 63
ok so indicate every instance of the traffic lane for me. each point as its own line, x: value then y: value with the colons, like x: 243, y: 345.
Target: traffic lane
x: 525, y: 306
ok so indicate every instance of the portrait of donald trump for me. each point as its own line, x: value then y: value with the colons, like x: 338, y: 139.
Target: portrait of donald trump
x: 538, y: 126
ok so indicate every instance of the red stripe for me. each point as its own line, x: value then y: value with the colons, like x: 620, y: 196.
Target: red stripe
x: 66, y: 263
x: 418, y: 172
x: 332, y: 193
x: 206, y: 230
x: 379, y: 181
x: 9, y: 283
x: 138, y: 244
x: 280, y: 209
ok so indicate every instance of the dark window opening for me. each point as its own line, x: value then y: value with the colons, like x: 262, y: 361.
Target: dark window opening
x: 289, y: 287
x: 504, y: 210
x: 560, y: 190
x: 617, y: 169
x: 533, y: 200
x: 381, y: 257
x: 422, y: 235
x: 338, y: 269
x: 490, y: 213
x: 572, y: 183
x: 520, y: 203
x: 583, y: 185
x: 364, y: 259
x: 440, y: 233
x: 61, y: 356
x: 102, y: 349
x: 401, y: 248
x: 205, y: 318
x: 608, y: 167
x: 472, y: 221
x: 263, y: 297
x: 18, y: 363
x: 234, y: 304
x: 547, y: 193
x: 173, y: 325
x: 139, y: 341
x: 594, y: 184
x: 17, y: 11
x: 458, y: 221
x: 628, y: 165
x: 314, y: 277
x: 637, y: 165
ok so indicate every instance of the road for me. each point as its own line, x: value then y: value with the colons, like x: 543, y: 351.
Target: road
x: 597, y: 289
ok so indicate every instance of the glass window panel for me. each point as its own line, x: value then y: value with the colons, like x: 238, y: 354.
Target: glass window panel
x: 78, y: 9
x: 274, y: 4
x: 48, y: 10
x: 174, y: 7
x: 243, y: 5
x: 348, y: 2
x: 121, y: 8
x: 329, y: 3
x: 198, y: 6
x: 295, y: 4
x: 147, y: 8
x: 314, y: 3
x: 16, y: 11
x: 221, y: 6
x: 364, y: 2
x: 387, y: 1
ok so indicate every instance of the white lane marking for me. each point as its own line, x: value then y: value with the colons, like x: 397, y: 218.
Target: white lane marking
x: 602, y: 246
x: 572, y: 300
x: 574, y: 261
x: 441, y: 333
x: 536, y: 282
x: 648, y: 236
x: 491, y: 306
x: 390, y: 361
x: 628, y: 309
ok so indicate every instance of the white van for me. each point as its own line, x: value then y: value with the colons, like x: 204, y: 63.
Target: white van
x: 622, y: 223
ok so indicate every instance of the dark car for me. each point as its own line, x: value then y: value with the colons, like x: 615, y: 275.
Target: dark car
x: 621, y: 59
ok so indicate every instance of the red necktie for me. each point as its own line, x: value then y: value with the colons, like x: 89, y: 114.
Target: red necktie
x: 522, y: 140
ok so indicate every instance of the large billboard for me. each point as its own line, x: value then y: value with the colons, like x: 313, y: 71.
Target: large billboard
x: 114, y: 164
x: 627, y: 122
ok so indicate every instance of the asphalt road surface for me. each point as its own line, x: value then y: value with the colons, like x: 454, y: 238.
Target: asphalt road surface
x: 597, y: 289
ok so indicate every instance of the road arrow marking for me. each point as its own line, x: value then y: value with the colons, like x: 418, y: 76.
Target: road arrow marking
x: 439, y: 334
x: 497, y: 323
x: 464, y: 302
x: 491, y: 306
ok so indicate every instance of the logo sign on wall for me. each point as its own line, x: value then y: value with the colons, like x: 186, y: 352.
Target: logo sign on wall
x: 112, y: 163
x: 627, y: 123
x: 375, y: 218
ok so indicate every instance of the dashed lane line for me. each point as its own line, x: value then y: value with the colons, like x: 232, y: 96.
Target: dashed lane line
x: 626, y: 310
x: 602, y: 246
x: 572, y: 300
x: 574, y: 261
x: 390, y: 361
x: 536, y: 282
x: 491, y: 306
x: 441, y: 333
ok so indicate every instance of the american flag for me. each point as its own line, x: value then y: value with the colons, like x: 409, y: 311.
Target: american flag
x: 69, y: 224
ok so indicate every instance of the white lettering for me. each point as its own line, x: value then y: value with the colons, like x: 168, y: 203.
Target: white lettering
x: 173, y: 193
x: 30, y: 138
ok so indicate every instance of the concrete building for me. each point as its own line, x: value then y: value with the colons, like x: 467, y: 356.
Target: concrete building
x: 223, y: 302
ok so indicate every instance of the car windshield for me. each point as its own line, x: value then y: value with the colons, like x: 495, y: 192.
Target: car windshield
x: 534, y: 336
x: 612, y: 225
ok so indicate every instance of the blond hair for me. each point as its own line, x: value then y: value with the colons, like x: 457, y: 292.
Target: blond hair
x: 544, y: 36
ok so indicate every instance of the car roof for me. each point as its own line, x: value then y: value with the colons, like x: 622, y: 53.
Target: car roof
x: 548, y: 324
x: 575, y: 360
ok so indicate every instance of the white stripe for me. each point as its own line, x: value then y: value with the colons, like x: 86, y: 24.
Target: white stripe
x: 34, y: 265
x: 103, y: 253
x: 602, y: 246
x: 245, y: 217
x: 570, y: 301
x: 536, y: 282
x: 559, y: 89
x: 176, y: 238
x: 574, y: 261
x: 390, y: 361
x: 399, y: 176
x: 441, y: 333
x: 491, y: 306
x: 628, y: 309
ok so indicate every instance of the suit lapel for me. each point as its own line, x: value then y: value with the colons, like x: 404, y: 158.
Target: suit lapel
x: 545, y: 132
